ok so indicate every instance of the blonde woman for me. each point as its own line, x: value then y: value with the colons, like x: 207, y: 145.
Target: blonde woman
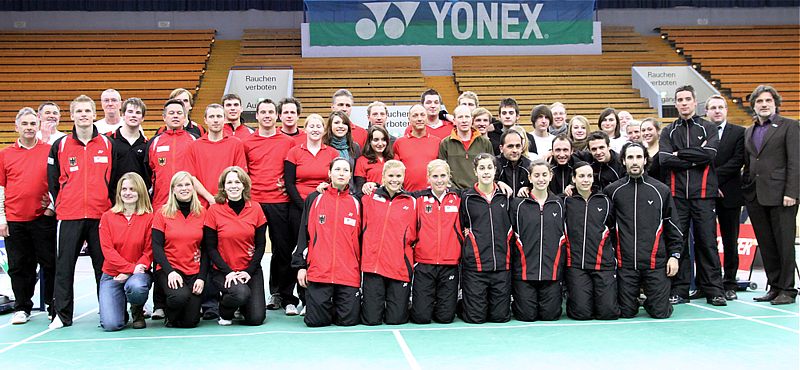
x: 125, y: 242
x: 181, y: 266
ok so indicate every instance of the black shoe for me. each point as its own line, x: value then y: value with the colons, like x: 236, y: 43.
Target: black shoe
x: 717, y: 301
x: 210, y: 315
x: 676, y: 299
x: 697, y: 294
x: 274, y: 302
x: 782, y: 298
x: 730, y: 295
x: 137, y: 314
x: 772, y: 294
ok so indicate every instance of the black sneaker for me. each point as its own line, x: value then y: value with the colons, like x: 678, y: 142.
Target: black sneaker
x: 676, y: 299
x: 210, y: 315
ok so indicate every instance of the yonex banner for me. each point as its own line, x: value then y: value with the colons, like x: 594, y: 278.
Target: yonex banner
x: 365, y: 23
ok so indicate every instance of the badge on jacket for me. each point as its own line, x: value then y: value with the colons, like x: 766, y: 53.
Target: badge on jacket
x: 73, y: 161
x: 162, y: 161
x: 321, y: 219
x: 428, y: 208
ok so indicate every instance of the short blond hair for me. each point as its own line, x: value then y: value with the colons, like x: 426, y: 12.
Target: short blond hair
x: 468, y: 95
x: 392, y: 164
x: 82, y: 99
x: 437, y: 163
x: 480, y: 111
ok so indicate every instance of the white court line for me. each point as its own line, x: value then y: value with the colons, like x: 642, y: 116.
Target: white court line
x: 406, y: 351
x: 32, y: 337
x: 476, y: 327
x: 744, y: 317
x: 41, y: 312
x: 767, y: 306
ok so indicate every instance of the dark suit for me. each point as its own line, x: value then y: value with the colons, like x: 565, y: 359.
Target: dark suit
x: 729, y: 161
x: 770, y: 174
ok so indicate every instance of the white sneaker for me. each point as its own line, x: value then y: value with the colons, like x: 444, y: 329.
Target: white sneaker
x: 148, y: 311
x: 303, y: 311
x: 223, y: 322
x: 291, y: 310
x: 20, y: 317
x: 158, y: 314
x: 56, y: 324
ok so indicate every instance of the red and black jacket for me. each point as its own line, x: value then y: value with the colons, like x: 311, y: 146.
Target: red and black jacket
x: 165, y: 156
x: 690, y: 173
x: 590, y: 242
x: 78, y: 176
x: 439, y: 235
x: 389, y: 230
x: 644, y: 222
x: 488, y: 231
x: 328, y: 245
x: 539, y: 251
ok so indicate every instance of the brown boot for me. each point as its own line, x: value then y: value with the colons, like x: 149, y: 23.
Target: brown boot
x: 137, y: 314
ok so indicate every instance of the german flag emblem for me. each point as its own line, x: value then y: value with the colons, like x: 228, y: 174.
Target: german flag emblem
x: 162, y: 162
x: 73, y: 161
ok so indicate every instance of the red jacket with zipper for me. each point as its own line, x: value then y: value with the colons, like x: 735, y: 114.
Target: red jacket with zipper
x: 328, y: 244
x: 439, y: 229
x: 389, y: 230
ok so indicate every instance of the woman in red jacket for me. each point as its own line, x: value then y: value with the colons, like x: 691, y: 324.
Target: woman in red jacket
x: 389, y: 230
x: 369, y: 166
x: 438, y: 249
x: 328, y: 252
x: 235, y: 234
x: 181, y: 265
x: 125, y: 241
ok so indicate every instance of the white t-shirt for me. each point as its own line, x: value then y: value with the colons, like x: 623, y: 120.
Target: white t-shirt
x: 616, y: 144
x: 543, y: 144
x: 103, y: 127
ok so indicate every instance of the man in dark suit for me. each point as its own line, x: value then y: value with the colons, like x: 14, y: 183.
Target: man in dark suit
x: 729, y: 161
x: 771, y: 186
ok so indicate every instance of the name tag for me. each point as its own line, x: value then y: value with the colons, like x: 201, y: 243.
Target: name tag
x: 162, y: 148
x: 73, y: 168
x: 350, y: 221
x: 379, y: 198
x: 50, y: 161
x: 451, y: 209
x: 100, y: 159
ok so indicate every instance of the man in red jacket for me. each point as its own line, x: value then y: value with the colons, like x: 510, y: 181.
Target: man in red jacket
x: 78, y: 175
x: 28, y: 227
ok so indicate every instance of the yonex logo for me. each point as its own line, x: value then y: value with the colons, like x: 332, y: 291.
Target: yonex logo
x: 393, y: 28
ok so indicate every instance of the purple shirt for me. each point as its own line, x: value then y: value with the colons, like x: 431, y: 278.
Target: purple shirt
x: 759, y: 131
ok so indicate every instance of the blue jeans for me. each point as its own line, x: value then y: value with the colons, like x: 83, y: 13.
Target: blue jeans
x: 114, y: 297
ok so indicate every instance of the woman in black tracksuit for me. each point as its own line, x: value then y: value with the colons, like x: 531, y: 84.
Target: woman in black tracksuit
x: 591, y: 269
x: 485, y: 262
x: 538, y: 253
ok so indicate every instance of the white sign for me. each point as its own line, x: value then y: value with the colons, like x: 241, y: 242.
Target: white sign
x: 396, y: 122
x: 259, y: 84
x: 658, y: 84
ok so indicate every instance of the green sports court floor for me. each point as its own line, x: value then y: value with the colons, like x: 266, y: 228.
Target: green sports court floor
x: 744, y: 335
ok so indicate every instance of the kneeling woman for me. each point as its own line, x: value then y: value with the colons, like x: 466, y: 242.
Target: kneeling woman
x: 235, y: 234
x: 389, y: 230
x: 590, y: 273
x: 125, y: 241
x: 180, y: 264
x: 539, y: 253
x: 328, y: 253
x: 485, y: 261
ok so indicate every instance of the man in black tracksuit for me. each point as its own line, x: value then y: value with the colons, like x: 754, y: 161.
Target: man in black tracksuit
x: 590, y: 275
x: 687, y: 148
x: 512, y: 165
x: 561, y: 163
x: 605, y: 162
x: 649, y: 241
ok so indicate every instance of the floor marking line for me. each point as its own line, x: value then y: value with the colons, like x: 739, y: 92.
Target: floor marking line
x: 769, y: 307
x: 41, y: 312
x: 745, y: 318
x: 412, y: 362
x: 406, y: 351
x: 32, y: 337
x: 195, y: 336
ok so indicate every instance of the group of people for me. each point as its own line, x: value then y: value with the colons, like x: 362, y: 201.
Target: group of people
x: 464, y: 214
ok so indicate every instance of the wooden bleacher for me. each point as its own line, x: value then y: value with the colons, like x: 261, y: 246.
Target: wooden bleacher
x: 37, y: 66
x: 586, y: 84
x: 740, y: 58
x: 388, y: 79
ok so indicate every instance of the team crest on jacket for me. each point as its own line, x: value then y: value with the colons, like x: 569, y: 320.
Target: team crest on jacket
x: 162, y: 161
x: 428, y: 208
x: 321, y: 219
x: 73, y: 161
